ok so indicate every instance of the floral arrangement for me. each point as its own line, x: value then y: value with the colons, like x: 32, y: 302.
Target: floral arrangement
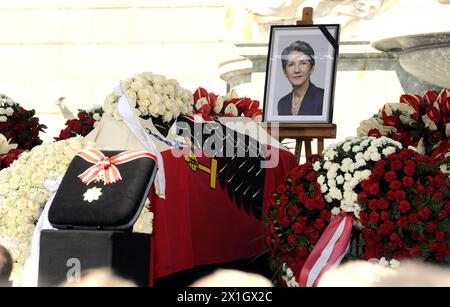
x: 302, y: 207
x: 210, y: 104
x: 23, y: 195
x: 82, y: 125
x: 19, y: 125
x: 346, y: 165
x: 405, y: 209
x: 295, y: 220
x: 419, y: 121
x: 152, y: 95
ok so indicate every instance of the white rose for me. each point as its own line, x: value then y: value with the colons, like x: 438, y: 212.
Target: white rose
x: 137, y: 84
x: 340, y: 179
x: 323, y: 188
x: 3, y: 119
x: 316, y: 166
x: 2, y: 111
x: 336, y: 211
x: 143, y: 103
x: 328, y: 198
x: 321, y: 179
x: 375, y: 156
x: 9, y: 111
x: 96, y: 116
x: 144, y: 93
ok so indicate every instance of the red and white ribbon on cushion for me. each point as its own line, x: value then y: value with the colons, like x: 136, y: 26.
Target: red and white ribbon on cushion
x: 329, y: 250
x: 104, y: 167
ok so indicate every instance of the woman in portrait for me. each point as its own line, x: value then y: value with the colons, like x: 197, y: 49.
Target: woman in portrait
x: 305, y: 98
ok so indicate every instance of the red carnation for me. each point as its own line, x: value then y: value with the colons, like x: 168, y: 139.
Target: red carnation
x: 373, y: 217
x: 297, y: 227
x: 374, y: 189
x: 395, y: 185
x: 404, y: 206
x: 430, y: 227
x: 292, y: 210
x: 396, y: 165
x: 424, y: 213
x: 402, y: 222
x: 407, y: 182
x: 319, y: 224
x: 291, y: 240
x: 390, y: 176
x: 311, y: 176
x: 374, y: 132
x: 413, y: 218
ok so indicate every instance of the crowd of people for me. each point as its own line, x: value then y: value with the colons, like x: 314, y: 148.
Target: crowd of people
x: 350, y: 274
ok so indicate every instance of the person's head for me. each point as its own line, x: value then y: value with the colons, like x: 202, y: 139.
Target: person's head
x: 6, y: 265
x: 102, y: 277
x: 232, y: 278
x: 298, y: 62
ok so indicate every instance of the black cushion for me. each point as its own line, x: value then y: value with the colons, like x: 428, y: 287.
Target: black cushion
x: 116, y: 209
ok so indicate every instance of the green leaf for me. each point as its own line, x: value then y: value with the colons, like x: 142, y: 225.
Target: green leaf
x: 444, y: 225
x: 419, y: 227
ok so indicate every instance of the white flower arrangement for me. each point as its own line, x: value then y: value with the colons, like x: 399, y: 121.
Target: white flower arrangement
x: 152, y: 95
x: 23, y: 195
x: 346, y: 165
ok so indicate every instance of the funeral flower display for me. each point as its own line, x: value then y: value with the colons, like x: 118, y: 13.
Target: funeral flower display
x: 82, y: 125
x: 153, y: 96
x: 346, y: 164
x: 23, y: 194
x: 18, y: 125
x: 405, y: 209
x: 302, y: 207
x: 294, y: 220
x: 210, y: 105
x: 419, y: 121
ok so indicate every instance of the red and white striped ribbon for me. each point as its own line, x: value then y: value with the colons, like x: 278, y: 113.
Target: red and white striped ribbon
x: 329, y: 250
x: 104, y: 167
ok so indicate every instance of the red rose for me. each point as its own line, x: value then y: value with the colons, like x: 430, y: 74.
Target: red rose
x: 402, y: 222
x: 440, y: 235
x: 395, y: 185
x: 373, y: 217
x: 311, y: 176
x: 378, y: 172
x: 383, y: 204
x: 413, y: 218
x: 405, y: 154
x: 404, y: 206
x: 407, y: 182
x: 284, y: 200
x: 442, y: 215
x: 424, y: 213
x: 395, y: 237
x: 325, y: 215
x: 409, y: 170
x: 82, y: 115
x: 292, y: 210
x: 385, y: 216
x: 390, y: 176
x: 362, y: 196
x: 90, y: 121
x: 373, y: 204
x: 374, y: 189
x: 297, y: 227
x: 430, y: 227
x: 415, y: 251
x: 420, y: 188
x: 291, y: 240
x: 374, y: 132
x: 319, y: 224
x: 396, y: 165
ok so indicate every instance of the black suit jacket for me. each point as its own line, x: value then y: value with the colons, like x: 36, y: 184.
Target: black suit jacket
x: 311, y: 105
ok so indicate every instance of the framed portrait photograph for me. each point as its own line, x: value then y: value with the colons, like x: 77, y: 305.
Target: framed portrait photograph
x: 300, y: 73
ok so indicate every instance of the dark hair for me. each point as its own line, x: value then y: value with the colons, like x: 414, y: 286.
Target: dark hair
x: 6, y: 264
x: 297, y: 46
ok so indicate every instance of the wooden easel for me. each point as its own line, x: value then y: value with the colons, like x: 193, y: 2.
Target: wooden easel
x: 303, y: 132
